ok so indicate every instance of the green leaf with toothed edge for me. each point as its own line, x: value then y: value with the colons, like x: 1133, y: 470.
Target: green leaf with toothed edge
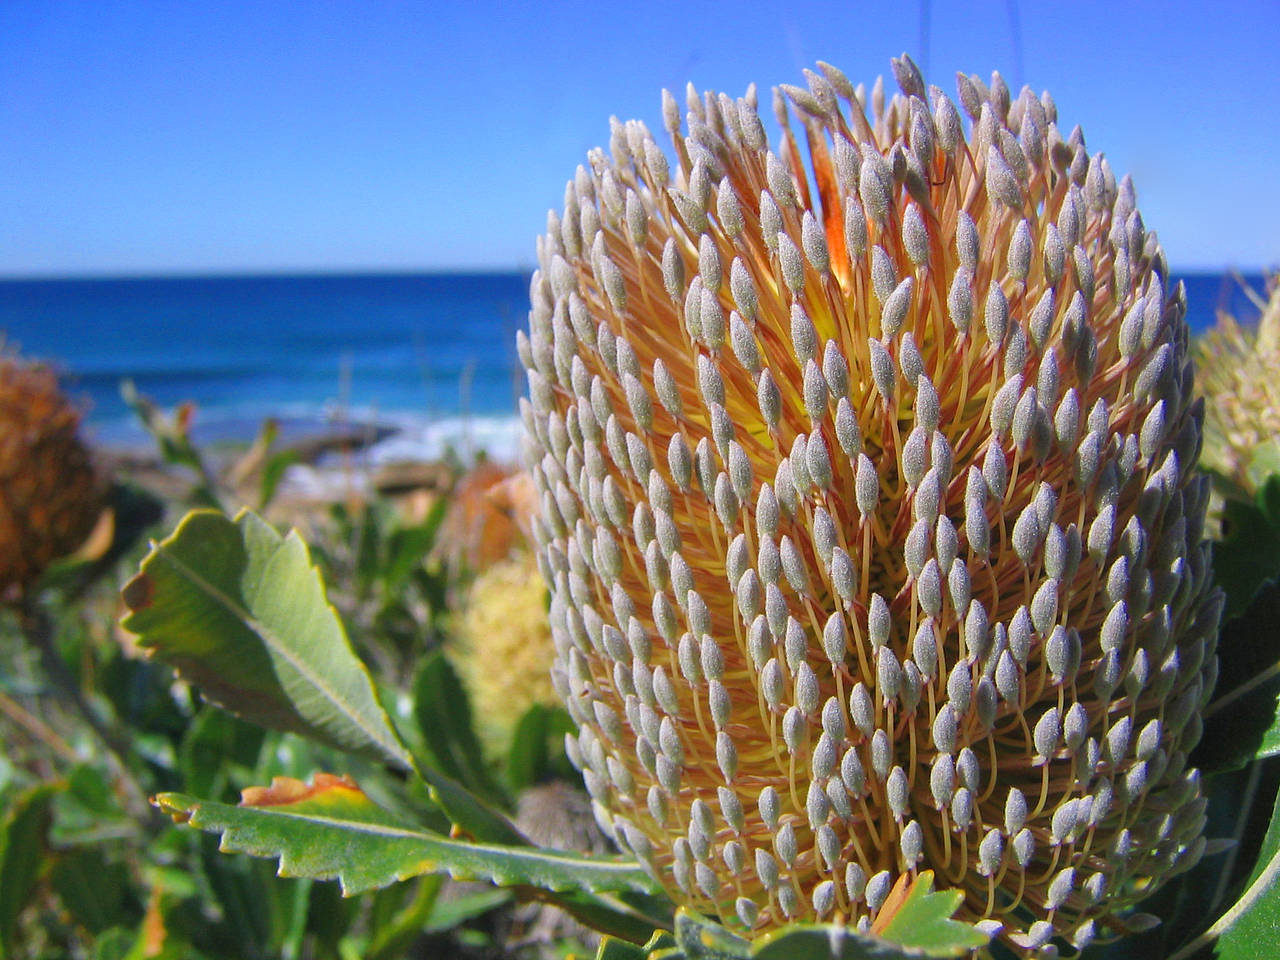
x: 241, y: 612
x: 923, y: 921
x: 915, y: 922
x: 332, y: 830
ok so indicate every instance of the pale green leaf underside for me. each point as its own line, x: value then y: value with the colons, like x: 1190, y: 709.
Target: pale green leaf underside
x: 241, y: 612
x: 363, y: 854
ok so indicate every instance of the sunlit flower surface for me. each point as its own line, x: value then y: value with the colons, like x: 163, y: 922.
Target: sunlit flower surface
x: 868, y: 510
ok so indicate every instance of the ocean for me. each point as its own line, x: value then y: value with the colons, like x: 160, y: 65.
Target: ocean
x: 432, y: 355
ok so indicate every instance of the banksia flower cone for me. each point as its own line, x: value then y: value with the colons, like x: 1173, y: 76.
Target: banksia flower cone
x: 502, y: 649
x: 1238, y: 367
x: 869, y: 513
x: 49, y: 491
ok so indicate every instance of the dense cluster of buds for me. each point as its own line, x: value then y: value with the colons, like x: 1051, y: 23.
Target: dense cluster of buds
x: 1237, y: 367
x: 869, y: 510
x: 50, y: 494
x: 501, y: 646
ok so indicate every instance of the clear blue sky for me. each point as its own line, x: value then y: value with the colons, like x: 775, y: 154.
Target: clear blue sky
x: 148, y: 137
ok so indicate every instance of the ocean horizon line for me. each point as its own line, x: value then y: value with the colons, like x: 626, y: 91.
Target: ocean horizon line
x: 373, y: 272
x: 268, y: 273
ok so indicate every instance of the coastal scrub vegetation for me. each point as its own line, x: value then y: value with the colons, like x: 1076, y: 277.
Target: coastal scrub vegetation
x: 902, y: 625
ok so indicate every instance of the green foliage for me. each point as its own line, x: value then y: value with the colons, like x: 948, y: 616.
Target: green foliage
x: 112, y: 880
x: 240, y: 611
x: 1257, y: 931
x: 1242, y: 725
x: 1249, y: 554
x: 922, y: 921
x: 332, y: 830
x: 384, y: 583
x: 22, y: 841
x: 443, y: 714
x: 536, y: 748
x: 172, y: 434
x: 699, y: 939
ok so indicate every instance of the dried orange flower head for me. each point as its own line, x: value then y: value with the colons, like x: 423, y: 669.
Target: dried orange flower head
x: 49, y: 491
x: 868, y: 509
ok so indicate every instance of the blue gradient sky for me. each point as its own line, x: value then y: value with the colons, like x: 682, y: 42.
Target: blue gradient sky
x: 146, y: 137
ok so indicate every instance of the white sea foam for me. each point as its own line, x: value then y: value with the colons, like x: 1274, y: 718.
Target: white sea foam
x: 467, y: 438
x: 417, y: 440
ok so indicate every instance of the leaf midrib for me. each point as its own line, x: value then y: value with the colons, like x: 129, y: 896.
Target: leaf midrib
x: 276, y: 644
x: 569, y: 861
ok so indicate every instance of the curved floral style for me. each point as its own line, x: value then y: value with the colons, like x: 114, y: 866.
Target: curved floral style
x: 869, y: 512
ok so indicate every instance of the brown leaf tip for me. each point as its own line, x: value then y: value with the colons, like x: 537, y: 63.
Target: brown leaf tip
x: 288, y: 790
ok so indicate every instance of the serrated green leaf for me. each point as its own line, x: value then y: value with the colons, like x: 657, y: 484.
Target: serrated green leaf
x: 331, y: 830
x: 23, y: 832
x: 923, y: 921
x: 1254, y: 935
x: 915, y: 922
x: 241, y: 612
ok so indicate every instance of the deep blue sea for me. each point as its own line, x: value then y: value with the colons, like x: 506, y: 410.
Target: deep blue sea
x: 432, y: 354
